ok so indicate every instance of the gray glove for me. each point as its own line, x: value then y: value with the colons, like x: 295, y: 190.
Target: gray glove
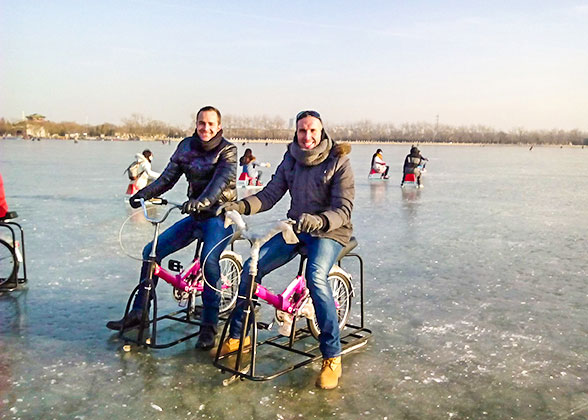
x: 193, y: 206
x: 238, y: 206
x: 308, y: 223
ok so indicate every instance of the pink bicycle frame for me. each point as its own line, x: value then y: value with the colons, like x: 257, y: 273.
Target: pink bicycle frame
x: 282, y: 301
x: 179, y: 280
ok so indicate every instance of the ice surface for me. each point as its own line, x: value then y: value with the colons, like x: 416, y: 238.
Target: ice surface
x: 476, y: 291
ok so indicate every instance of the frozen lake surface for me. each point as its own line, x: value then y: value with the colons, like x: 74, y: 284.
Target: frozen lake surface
x: 476, y: 293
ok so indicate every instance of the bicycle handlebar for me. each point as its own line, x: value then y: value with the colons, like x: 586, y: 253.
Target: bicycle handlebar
x: 285, y: 226
x: 159, y: 202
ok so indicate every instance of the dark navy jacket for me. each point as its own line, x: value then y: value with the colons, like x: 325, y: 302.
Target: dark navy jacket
x: 211, y: 175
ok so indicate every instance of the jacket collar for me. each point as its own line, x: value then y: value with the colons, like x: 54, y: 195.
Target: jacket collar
x: 206, y: 146
x: 314, y: 156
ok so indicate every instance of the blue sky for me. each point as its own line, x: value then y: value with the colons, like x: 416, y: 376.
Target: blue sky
x: 503, y: 64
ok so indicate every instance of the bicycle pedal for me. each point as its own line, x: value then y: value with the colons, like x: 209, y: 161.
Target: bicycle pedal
x: 174, y: 265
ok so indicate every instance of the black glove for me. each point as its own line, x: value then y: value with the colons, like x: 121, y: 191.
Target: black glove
x: 309, y: 223
x: 193, y: 206
x: 134, y: 201
x: 238, y: 206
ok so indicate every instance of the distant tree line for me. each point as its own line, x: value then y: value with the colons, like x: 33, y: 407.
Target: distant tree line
x: 426, y: 132
x: 265, y: 127
x: 133, y: 127
x: 256, y: 128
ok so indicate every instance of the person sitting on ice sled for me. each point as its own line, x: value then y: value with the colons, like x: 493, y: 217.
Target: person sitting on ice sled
x: 411, y: 165
x: 378, y: 165
x: 250, y: 164
x: 209, y: 163
x: 140, y: 173
x: 317, y: 174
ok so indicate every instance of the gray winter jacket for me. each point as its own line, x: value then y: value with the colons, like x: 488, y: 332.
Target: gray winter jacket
x: 326, y: 189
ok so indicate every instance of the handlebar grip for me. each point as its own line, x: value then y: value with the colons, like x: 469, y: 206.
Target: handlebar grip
x: 159, y: 201
x: 156, y: 201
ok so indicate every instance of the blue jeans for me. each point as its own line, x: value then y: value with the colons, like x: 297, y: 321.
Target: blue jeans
x: 322, y: 254
x: 181, y: 234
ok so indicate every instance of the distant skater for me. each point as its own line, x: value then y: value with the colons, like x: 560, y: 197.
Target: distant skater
x: 140, y: 173
x: 249, y: 164
x: 378, y: 165
x: 411, y: 165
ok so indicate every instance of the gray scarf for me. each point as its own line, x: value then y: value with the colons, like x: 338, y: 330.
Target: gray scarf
x: 314, y: 156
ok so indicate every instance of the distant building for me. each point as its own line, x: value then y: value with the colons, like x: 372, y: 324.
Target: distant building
x: 35, y: 117
x: 34, y: 129
x: 34, y: 126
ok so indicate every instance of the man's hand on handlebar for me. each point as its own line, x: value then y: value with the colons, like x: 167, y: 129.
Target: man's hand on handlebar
x: 194, y: 206
x: 238, y: 206
x: 135, y: 200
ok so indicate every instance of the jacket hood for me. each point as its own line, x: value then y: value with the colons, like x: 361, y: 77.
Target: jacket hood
x: 341, y: 149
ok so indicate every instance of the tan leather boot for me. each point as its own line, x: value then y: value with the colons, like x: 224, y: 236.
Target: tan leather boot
x: 330, y: 373
x: 232, y: 344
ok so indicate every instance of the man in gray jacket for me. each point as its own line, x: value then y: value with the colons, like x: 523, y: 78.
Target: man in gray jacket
x: 318, y: 175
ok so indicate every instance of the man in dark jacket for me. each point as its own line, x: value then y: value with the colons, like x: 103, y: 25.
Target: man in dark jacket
x: 317, y: 174
x: 411, y: 165
x: 209, y: 163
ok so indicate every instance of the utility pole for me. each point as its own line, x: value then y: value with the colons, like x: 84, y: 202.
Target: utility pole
x: 436, y: 127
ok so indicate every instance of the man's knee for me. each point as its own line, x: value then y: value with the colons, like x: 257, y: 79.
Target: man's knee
x: 317, y: 273
x: 147, y: 250
x: 317, y: 277
x: 211, y: 270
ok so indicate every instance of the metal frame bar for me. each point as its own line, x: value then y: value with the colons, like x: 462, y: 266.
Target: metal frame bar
x: 352, y: 338
x: 186, y: 318
x: 19, y: 280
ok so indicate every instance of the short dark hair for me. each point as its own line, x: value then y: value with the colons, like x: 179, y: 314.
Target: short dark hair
x: 209, y: 108
x: 147, y: 153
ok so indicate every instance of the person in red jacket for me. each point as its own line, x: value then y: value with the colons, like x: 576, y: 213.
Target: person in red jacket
x: 3, y: 204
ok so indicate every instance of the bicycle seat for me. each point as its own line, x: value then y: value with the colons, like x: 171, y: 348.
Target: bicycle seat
x: 346, y: 249
x: 9, y: 215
